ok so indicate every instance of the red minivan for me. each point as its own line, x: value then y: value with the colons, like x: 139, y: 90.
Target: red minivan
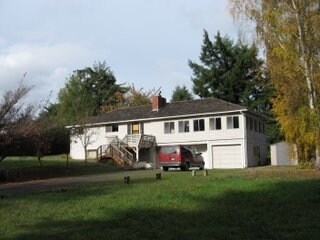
x: 179, y: 156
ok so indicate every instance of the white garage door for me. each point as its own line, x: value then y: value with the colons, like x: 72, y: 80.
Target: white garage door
x: 227, y: 156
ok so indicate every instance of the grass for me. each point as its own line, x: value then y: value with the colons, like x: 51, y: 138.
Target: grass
x: 27, y: 168
x: 264, y: 203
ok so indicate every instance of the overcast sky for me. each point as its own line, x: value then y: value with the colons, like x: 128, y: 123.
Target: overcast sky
x: 145, y: 42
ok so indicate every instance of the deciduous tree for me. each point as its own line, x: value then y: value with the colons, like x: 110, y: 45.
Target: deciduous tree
x: 289, y: 31
x: 14, y: 118
x: 131, y: 98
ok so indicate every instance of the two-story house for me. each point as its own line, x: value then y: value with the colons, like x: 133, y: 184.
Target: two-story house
x: 227, y: 135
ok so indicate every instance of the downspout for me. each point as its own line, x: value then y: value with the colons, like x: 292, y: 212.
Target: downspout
x: 245, y: 140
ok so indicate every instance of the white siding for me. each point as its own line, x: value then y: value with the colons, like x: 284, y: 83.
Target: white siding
x: 256, y: 140
x: 205, y: 141
x: 157, y: 129
x: 281, y: 155
x: 98, y: 137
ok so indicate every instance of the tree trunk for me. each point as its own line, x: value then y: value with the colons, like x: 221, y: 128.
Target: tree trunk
x: 39, y: 158
x: 67, y: 160
x: 308, y: 71
x: 85, y: 154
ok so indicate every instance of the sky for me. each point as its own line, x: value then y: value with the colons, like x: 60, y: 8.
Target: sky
x: 144, y: 42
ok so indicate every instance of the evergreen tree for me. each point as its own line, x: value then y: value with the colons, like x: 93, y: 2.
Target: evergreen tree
x: 181, y: 94
x: 86, y: 91
x: 231, y: 72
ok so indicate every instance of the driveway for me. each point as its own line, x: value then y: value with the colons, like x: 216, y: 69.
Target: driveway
x: 68, y: 182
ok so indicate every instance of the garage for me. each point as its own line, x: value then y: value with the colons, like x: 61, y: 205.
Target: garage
x: 227, y: 156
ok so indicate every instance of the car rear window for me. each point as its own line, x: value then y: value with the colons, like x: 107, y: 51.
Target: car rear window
x: 168, y: 150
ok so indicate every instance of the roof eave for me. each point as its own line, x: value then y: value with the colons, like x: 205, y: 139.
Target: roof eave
x: 163, y: 118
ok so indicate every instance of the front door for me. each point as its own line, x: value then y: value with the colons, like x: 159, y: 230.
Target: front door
x: 135, y: 128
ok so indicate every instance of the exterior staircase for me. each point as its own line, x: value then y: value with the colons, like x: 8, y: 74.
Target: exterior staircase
x: 118, y: 150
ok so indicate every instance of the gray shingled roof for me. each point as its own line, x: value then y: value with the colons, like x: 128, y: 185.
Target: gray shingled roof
x: 198, y: 106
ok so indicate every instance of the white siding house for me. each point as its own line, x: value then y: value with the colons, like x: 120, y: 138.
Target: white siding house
x: 227, y: 135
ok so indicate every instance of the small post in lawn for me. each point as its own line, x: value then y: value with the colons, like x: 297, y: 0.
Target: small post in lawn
x: 205, y: 173
x: 126, y: 179
x: 194, y: 172
x: 158, y: 176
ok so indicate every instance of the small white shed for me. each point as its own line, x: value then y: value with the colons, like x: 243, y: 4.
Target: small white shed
x: 281, y: 155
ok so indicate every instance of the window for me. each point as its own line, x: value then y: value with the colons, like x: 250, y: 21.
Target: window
x: 183, y: 126
x: 168, y: 127
x: 256, y: 154
x: 251, y: 124
x: 232, y: 122
x: 260, y: 127
x: 255, y: 125
x: 198, y: 125
x: 169, y: 149
x: 112, y: 128
x: 215, y: 123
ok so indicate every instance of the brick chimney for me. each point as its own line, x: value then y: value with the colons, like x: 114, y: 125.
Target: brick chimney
x: 158, y: 102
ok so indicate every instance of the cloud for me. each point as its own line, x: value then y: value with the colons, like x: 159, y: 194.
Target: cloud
x: 47, y: 67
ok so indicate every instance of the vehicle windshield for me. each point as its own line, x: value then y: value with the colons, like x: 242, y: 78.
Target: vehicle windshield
x: 169, y: 150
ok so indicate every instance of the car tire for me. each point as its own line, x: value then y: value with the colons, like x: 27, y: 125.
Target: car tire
x: 165, y: 169
x: 201, y: 167
x: 186, y: 166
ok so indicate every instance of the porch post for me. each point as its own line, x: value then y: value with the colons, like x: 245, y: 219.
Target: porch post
x: 137, y: 154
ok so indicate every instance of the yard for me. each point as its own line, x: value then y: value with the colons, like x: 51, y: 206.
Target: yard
x: 17, y: 169
x: 261, y: 203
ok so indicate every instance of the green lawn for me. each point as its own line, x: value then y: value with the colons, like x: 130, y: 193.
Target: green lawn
x: 14, y: 169
x: 265, y: 203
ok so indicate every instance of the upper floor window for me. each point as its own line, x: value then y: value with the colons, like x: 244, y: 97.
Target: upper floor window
x: 169, y: 127
x: 251, y: 124
x: 183, y: 126
x: 112, y: 128
x: 260, y: 127
x: 198, y: 125
x: 215, y: 123
x: 232, y: 122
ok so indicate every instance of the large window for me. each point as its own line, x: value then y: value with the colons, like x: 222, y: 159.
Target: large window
x: 232, y: 122
x: 168, y: 127
x: 215, y: 123
x: 112, y: 128
x: 198, y: 125
x: 183, y: 126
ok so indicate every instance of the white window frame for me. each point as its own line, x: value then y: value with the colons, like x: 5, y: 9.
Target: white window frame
x: 197, y: 124
x: 112, y: 128
x: 169, y: 127
x: 184, y: 126
x: 213, y: 123
x: 233, y: 122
